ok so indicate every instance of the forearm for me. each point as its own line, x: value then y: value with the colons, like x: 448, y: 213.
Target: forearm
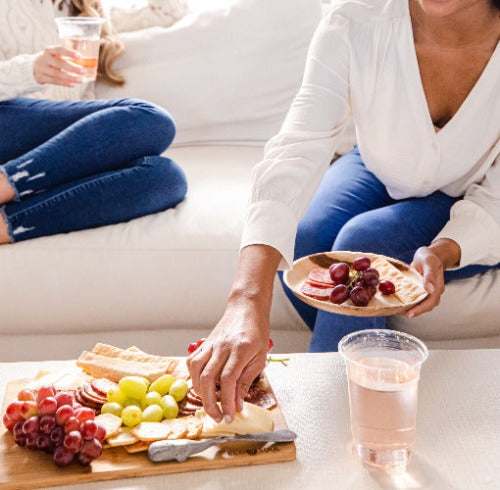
x: 16, y: 77
x: 448, y: 251
x: 253, y: 284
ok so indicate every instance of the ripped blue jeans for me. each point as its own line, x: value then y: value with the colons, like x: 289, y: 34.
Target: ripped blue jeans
x: 82, y: 164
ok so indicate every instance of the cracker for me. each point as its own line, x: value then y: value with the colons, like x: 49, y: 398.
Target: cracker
x: 123, y: 438
x: 407, y: 290
x: 177, y: 428
x: 194, y: 426
x: 137, y: 447
x: 151, y: 431
x: 110, y: 422
x: 131, y: 354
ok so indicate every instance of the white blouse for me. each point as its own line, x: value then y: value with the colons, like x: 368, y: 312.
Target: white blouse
x: 362, y: 60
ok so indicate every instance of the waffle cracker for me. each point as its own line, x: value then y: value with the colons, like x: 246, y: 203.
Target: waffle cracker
x: 407, y: 290
x: 137, y: 447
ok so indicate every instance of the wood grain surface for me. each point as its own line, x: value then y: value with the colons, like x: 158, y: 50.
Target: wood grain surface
x: 21, y: 468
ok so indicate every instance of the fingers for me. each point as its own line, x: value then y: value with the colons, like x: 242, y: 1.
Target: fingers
x: 249, y: 373
x: 51, y: 67
x: 62, y: 51
x: 67, y: 66
x: 196, y: 362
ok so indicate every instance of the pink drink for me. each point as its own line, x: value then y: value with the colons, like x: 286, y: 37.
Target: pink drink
x: 383, y: 369
x: 89, y: 49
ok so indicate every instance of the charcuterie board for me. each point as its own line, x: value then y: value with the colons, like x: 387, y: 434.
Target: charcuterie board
x: 21, y: 468
x: 408, y: 282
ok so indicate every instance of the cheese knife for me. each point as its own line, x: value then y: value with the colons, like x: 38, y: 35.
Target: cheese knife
x: 181, y: 449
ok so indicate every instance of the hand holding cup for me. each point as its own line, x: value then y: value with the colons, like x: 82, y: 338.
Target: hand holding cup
x: 54, y: 66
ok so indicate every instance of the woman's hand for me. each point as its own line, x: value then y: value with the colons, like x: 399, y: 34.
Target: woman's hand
x: 234, y: 354
x: 431, y: 262
x: 51, y: 67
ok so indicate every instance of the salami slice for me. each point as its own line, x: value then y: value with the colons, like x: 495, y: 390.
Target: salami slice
x: 88, y: 394
x: 317, y: 293
x: 321, y: 276
x: 86, y: 402
x: 261, y: 398
x: 316, y: 284
x: 102, y: 385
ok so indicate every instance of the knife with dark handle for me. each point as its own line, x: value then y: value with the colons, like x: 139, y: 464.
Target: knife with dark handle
x: 181, y: 449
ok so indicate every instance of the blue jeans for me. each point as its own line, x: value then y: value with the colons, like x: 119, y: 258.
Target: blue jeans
x: 83, y: 164
x: 353, y: 211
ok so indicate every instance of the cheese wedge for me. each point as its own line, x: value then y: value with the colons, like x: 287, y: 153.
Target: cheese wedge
x: 251, y: 420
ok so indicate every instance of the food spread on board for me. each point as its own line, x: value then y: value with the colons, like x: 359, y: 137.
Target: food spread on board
x: 123, y: 398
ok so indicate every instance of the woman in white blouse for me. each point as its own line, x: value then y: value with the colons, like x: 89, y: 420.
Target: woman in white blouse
x: 421, y: 79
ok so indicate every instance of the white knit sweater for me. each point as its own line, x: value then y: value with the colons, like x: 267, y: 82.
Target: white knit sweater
x: 27, y: 27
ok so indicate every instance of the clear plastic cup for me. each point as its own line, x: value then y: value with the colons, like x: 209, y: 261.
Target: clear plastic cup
x: 383, y: 369
x: 82, y: 34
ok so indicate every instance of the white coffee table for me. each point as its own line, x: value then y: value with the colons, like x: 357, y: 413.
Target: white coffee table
x: 458, y: 432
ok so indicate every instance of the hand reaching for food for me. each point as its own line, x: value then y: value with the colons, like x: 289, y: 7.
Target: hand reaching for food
x: 54, y: 66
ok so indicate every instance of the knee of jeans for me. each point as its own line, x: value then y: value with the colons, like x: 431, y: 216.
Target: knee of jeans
x: 362, y: 234
x: 309, y: 239
x: 169, y: 180
x: 155, y: 123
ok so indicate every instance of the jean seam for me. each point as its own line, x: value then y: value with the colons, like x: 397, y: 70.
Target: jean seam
x: 3, y: 170
x: 58, y: 197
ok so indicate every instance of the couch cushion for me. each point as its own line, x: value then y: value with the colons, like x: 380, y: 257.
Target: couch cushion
x: 226, y: 73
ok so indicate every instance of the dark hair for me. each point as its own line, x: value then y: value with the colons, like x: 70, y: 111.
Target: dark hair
x: 496, y: 3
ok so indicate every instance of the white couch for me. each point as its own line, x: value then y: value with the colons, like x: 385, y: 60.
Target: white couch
x: 162, y: 281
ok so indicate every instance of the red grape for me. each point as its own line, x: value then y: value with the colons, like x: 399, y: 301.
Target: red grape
x: 47, y: 424
x: 370, y: 276
x: 32, y: 425
x: 8, y: 422
x: 101, y: 433
x: 194, y: 345
x: 339, y: 294
x: 88, y: 430
x: 71, y: 424
x: 13, y: 411
x: 339, y: 273
x: 361, y: 263
x: 44, y: 392
x: 387, y: 287
x: 26, y: 396
x: 20, y: 440
x: 18, y: 429
x: 63, y: 457
x: 63, y: 414
x: 47, y: 406
x: 29, y: 409
x: 270, y: 345
x: 43, y: 442
x: 77, y: 406
x: 73, y: 441
x: 31, y: 441
x: 84, y: 414
x: 84, y: 459
x: 92, y: 448
x: 360, y: 296
x: 64, y: 398
x: 57, y: 435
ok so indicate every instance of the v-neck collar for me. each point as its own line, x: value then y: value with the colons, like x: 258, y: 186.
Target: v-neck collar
x: 422, y: 99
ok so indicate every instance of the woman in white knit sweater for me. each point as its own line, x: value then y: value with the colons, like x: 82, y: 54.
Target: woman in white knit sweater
x: 63, y: 164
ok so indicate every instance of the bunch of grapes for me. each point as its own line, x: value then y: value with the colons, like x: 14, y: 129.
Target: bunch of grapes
x: 55, y: 423
x: 358, y: 283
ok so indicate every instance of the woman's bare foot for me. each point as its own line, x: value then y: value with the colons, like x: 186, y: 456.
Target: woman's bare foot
x: 4, y: 231
x: 7, y: 193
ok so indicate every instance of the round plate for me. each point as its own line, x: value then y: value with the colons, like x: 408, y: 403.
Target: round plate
x: 379, y: 305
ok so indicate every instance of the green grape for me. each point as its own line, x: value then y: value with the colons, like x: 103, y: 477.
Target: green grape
x: 153, y: 413
x: 116, y: 395
x: 134, y: 386
x: 169, y: 407
x: 131, y: 415
x: 178, y: 389
x: 162, y: 384
x: 112, y: 407
x: 152, y: 398
x: 131, y: 402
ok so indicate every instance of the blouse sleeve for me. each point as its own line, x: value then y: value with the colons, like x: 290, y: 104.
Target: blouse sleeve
x: 296, y: 159
x: 475, y: 221
x: 16, y: 76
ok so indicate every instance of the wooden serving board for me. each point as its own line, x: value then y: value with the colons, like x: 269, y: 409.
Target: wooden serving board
x: 379, y: 305
x: 21, y: 468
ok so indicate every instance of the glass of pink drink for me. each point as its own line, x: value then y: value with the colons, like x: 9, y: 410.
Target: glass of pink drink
x: 83, y: 35
x: 383, y: 369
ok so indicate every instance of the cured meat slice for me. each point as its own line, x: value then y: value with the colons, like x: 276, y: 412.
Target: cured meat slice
x: 320, y: 275
x: 91, y: 395
x: 261, y: 398
x: 102, y: 385
x: 85, y: 402
x: 316, y: 293
x: 316, y: 284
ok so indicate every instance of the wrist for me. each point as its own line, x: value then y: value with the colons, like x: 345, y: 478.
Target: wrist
x: 448, y: 251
